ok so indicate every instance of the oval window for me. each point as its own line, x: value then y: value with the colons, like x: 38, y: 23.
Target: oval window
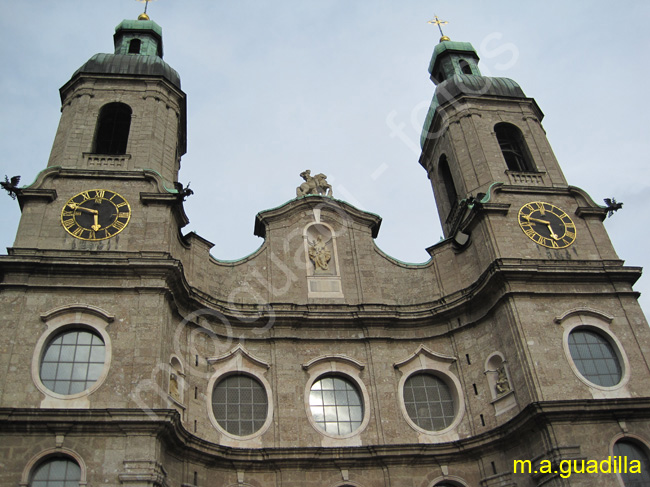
x: 594, y: 357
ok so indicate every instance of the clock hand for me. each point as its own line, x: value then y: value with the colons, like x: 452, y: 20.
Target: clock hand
x: 75, y: 206
x: 96, y: 226
x: 553, y: 234
x: 530, y: 218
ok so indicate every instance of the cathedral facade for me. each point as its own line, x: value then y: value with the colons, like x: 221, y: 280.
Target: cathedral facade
x: 132, y: 357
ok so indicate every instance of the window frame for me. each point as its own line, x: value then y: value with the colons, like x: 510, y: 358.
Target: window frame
x: 427, y: 361
x: 239, y: 361
x: 516, y: 137
x: 464, y: 66
x: 447, y: 183
x: 60, y: 320
x: 66, y: 331
x: 132, y: 46
x: 600, y: 323
x: 452, y: 480
x: 349, y: 369
x: 640, y: 442
x: 614, y: 343
x: 355, y: 386
x: 254, y: 378
x: 50, y: 454
x: 102, y: 126
x: 450, y: 389
x: 588, y: 330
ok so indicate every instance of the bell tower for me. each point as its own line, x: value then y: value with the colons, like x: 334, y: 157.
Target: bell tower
x: 124, y: 111
x: 480, y: 131
x: 132, y: 357
x: 116, y: 154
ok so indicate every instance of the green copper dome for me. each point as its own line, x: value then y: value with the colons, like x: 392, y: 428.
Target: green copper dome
x: 454, y: 69
x: 146, y: 31
x: 126, y: 64
x: 451, y: 46
x: 138, y: 51
x: 468, y: 84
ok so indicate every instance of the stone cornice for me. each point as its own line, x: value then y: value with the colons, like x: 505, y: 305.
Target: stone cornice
x: 344, y: 209
x: 169, y: 277
x: 166, y: 425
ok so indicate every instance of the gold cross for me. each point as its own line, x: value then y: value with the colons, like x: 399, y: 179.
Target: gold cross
x: 146, y: 4
x: 438, y: 22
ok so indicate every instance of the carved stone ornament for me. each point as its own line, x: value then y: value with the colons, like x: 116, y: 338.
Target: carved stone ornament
x: 313, y: 184
x: 502, y: 384
x: 320, y: 254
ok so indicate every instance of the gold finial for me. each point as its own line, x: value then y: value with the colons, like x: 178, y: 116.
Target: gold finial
x: 439, y: 22
x: 144, y: 16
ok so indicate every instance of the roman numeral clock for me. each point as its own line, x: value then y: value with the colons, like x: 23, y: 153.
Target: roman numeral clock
x: 547, y: 225
x: 95, y: 214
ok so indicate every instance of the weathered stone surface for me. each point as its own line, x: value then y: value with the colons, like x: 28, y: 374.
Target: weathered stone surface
x: 165, y: 308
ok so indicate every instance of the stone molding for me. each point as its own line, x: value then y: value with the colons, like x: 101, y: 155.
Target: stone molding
x: 170, y: 277
x: 166, y: 425
x: 58, y: 451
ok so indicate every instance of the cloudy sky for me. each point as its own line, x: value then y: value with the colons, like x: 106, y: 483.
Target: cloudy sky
x: 341, y: 87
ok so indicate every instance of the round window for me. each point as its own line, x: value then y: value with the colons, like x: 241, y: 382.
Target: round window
x: 72, y: 362
x: 594, y: 357
x: 336, y: 405
x: 240, y: 405
x: 429, y: 402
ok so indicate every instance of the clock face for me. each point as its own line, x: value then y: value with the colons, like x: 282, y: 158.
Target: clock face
x: 547, y: 225
x: 95, y: 214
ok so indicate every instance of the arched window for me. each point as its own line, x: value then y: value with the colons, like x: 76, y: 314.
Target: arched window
x: 56, y: 472
x: 634, y: 453
x: 447, y: 181
x: 594, y: 357
x: 465, y: 67
x: 514, y: 148
x: 113, y: 128
x: 134, y: 46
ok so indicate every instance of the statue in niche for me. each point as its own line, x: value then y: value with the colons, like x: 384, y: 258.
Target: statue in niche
x: 319, y: 254
x: 502, y: 384
x: 173, y: 386
x: 313, y: 184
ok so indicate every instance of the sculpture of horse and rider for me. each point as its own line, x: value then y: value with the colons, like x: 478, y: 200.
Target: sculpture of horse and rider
x: 314, y: 184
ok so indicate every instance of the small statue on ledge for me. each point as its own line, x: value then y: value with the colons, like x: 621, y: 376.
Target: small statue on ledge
x: 502, y: 385
x: 173, y: 387
x: 314, y: 184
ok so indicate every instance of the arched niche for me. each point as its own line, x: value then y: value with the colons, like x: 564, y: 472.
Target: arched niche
x: 321, y: 261
x: 499, y: 383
